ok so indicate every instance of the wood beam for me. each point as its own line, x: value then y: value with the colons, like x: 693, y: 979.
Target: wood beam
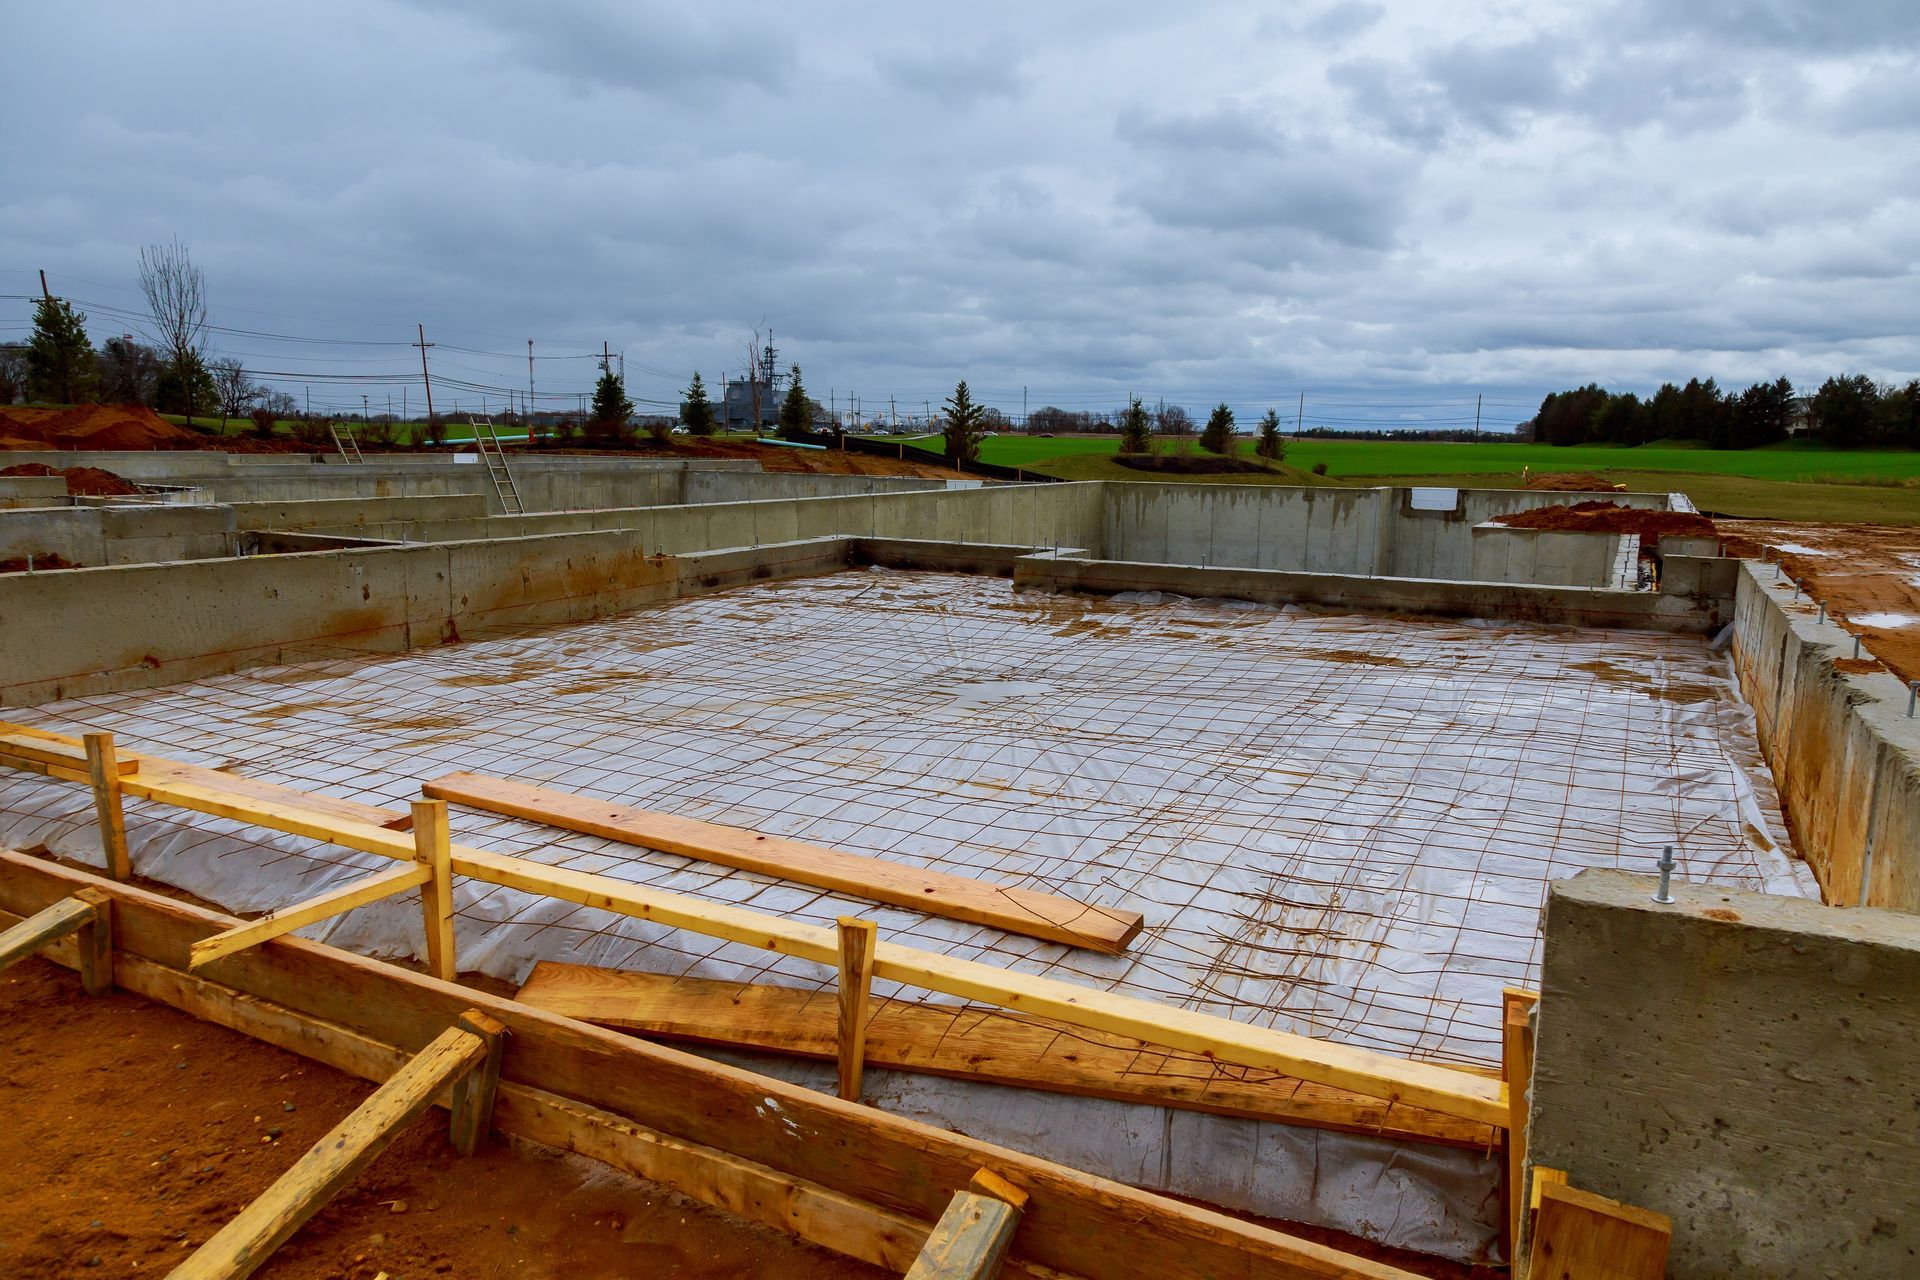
x: 381, y: 884
x: 1092, y: 1227
x: 44, y: 927
x: 1581, y: 1236
x: 1430, y: 1086
x: 18, y: 746
x: 1022, y: 911
x: 970, y: 1042
x: 473, y: 1096
x: 243, y: 1246
x: 856, y: 984
x: 972, y: 1237
x: 1516, y: 1060
x: 433, y: 847
x: 104, y: 772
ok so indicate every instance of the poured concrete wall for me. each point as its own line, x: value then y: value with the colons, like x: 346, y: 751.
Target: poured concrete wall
x: 1742, y: 1063
x: 108, y: 535
x: 32, y: 491
x: 355, y: 513
x: 1551, y: 557
x: 1844, y: 754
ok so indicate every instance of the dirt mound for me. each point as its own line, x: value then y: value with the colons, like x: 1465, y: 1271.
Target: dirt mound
x: 92, y: 426
x: 1571, y: 482
x: 1611, y: 517
x: 44, y: 560
x: 90, y: 482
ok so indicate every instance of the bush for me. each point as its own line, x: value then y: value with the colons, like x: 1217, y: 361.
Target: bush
x: 1319, y: 468
x: 660, y: 431
x: 312, y: 431
x: 263, y: 423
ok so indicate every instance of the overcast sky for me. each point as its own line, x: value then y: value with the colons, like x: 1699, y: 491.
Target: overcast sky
x: 1388, y: 206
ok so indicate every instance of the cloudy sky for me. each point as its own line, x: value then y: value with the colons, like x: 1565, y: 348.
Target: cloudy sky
x: 1387, y: 206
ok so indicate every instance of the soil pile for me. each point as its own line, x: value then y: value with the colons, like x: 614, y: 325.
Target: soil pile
x: 1571, y: 482
x: 45, y: 560
x: 92, y: 426
x: 89, y: 482
x: 1611, y: 517
x: 1863, y: 573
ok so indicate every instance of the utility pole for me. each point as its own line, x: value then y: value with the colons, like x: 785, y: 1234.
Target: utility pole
x: 308, y: 391
x: 893, y: 412
x: 1476, y: 416
x: 1300, y: 415
x: 423, y: 344
x: 365, y: 413
x: 43, y: 285
x: 529, y: 385
x: 1025, y: 421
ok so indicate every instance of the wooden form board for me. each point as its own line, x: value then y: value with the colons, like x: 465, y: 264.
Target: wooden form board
x: 971, y: 1043
x: 1022, y: 911
x: 1578, y: 1235
x: 1451, y: 1090
x: 845, y: 1157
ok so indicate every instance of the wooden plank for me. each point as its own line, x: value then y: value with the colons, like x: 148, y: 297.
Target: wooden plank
x: 856, y: 985
x: 1440, y: 1088
x: 1581, y: 1236
x: 381, y: 884
x: 974, y: 1043
x: 243, y: 1246
x: 93, y: 944
x: 61, y: 751
x: 103, y: 771
x: 970, y: 1240
x: 1080, y: 1224
x: 1022, y: 911
x: 42, y: 927
x: 433, y: 846
x: 473, y: 1096
x: 1516, y: 1060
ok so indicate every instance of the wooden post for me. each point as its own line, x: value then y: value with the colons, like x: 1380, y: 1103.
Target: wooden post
x: 1578, y: 1234
x: 32, y: 935
x: 433, y: 848
x: 1516, y: 1062
x: 473, y: 1096
x: 856, y: 982
x: 970, y: 1240
x: 243, y: 1246
x: 103, y: 768
x: 95, y: 939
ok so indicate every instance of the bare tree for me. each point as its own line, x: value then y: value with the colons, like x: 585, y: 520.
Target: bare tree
x: 176, y: 294
x: 235, y: 389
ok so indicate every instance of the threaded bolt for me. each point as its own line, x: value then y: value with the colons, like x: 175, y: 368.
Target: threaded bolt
x: 1666, y: 865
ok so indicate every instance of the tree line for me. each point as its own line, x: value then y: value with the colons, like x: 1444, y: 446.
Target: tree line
x: 1848, y: 411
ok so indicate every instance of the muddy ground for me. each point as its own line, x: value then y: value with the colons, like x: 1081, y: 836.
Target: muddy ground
x: 1867, y: 575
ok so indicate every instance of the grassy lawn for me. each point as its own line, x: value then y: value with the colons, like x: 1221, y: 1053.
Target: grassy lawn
x: 1740, y: 495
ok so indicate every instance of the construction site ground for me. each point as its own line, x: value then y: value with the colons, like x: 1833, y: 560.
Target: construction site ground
x: 135, y: 1132
x: 1867, y: 575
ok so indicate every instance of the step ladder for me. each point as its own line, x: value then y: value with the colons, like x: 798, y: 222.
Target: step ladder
x: 488, y: 443
x: 343, y: 441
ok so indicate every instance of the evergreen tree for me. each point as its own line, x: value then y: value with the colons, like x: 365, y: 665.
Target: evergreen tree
x: 696, y: 412
x: 1135, y: 434
x: 796, y: 411
x: 611, y: 407
x: 1844, y: 409
x: 185, y: 386
x: 1218, y: 436
x: 1270, y: 446
x: 59, y: 356
x: 963, y: 425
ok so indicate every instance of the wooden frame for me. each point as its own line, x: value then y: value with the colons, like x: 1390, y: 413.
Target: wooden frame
x: 848, y: 1177
x: 1516, y: 1061
x: 276, y: 924
x: 1438, y: 1088
x: 87, y: 918
x: 972, y: 1237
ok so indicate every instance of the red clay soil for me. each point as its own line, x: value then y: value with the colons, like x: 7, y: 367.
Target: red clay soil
x: 1611, y: 517
x: 1868, y: 576
x: 90, y: 426
x: 134, y: 1132
x: 1571, y: 482
x: 90, y: 482
x: 44, y: 560
x: 830, y: 462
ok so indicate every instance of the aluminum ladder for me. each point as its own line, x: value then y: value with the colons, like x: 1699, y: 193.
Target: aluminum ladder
x: 488, y: 443
x: 343, y: 441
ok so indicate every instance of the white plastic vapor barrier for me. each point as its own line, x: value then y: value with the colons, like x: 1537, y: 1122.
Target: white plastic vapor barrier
x: 1337, y: 825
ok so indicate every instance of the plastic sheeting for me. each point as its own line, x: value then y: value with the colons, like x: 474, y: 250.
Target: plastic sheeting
x: 1338, y: 825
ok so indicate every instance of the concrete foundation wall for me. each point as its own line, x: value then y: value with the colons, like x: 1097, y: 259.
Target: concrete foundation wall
x: 1844, y: 754
x: 1550, y: 557
x: 1742, y: 1063
x: 353, y: 513
x: 114, y: 535
x: 32, y: 491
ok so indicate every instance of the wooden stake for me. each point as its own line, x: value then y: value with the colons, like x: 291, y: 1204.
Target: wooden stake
x: 244, y: 1245
x: 1516, y: 1060
x: 856, y: 982
x: 1579, y: 1235
x: 104, y: 770
x: 95, y: 939
x: 473, y: 1096
x: 970, y: 1240
x: 433, y: 846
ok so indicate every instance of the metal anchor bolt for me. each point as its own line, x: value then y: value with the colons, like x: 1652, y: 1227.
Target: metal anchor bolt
x: 1666, y: 865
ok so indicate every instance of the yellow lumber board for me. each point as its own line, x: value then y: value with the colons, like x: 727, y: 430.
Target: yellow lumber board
x: 104, y: 769
x: 1578, y: 1235
x: 973, y: 1043
x: 242, y: 1246
x: 381, y: 884
x: 1439, y: 1088
x: 1516, y: 1060
x: 34, y: 933
x: 856, y: 987
x: 433, y: 846
x: 937, y: 893
x: 54, y: 751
